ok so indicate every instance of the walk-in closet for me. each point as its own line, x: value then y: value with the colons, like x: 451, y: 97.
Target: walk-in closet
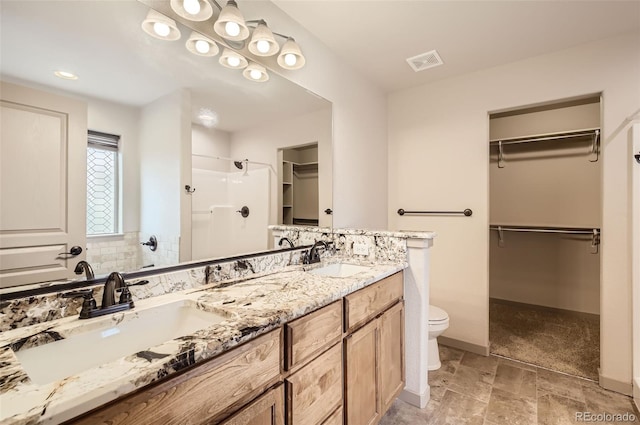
x: 545, y: 227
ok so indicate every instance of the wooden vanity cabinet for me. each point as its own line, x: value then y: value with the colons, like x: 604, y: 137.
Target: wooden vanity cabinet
x: 341, y: 364
x: 374, y: 352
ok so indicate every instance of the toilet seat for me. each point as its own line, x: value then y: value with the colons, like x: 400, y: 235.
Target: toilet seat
x: 437, y: 315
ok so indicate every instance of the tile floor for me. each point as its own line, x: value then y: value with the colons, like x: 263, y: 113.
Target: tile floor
x: 477, y: 390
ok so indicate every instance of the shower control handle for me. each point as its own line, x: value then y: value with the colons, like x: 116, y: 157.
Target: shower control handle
x: 244, y: 211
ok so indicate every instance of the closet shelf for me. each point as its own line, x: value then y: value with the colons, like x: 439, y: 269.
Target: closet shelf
x: 581, y: 135
x: 594, y: 232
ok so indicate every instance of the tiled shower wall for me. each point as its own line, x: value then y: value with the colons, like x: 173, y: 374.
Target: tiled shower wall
x: 125, y: 253
x: 114, y: 253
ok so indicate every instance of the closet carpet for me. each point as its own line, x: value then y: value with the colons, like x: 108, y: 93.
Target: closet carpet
x: 559, y: 340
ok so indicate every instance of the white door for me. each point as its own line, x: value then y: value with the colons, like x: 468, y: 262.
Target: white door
x: 43, y: 144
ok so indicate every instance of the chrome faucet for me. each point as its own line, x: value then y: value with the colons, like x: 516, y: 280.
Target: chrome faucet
x: 84, y: 267
x: 113, y: 282
x: 313, y: 256
x: 287, y: 240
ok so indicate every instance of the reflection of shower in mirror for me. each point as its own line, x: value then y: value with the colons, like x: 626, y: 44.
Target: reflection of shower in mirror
x: 217, y: 229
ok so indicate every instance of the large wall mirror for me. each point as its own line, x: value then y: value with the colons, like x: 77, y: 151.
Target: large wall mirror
x: 197, y: 141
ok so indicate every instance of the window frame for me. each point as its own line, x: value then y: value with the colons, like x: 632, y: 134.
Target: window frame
x: 107, y: 142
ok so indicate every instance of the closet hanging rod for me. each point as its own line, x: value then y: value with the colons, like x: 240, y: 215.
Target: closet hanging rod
x: 566, y: 230
x: 555, y: 136
x: 467, y: 212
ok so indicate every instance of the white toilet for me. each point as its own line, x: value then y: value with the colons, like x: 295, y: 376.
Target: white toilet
x: 438, y: 323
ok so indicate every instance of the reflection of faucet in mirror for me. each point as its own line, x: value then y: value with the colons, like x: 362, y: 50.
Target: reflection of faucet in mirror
x: 287, y: 240
x: 85, y: 267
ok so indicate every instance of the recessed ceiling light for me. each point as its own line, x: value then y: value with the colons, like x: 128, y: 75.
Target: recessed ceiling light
x: 65, y: 75
x: 207, y: 117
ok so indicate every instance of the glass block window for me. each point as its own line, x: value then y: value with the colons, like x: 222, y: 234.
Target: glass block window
x: 102, y: 183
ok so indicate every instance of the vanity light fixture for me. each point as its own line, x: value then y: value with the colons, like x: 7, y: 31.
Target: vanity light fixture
x: 159, y: 26
x: 65, y: 75
x: 230, y: 23
x: 290, y: 56
x: 262, y: 41
x: 194, y: 10
x: 200, y: 45
x: 233, y: 60
x: 231, y: 26
x: 255, y: 72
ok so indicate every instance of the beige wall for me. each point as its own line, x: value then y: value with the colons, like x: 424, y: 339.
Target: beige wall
x: 439, y: 158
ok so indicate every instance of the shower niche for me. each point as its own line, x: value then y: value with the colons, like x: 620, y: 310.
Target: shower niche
x: 298, y: 183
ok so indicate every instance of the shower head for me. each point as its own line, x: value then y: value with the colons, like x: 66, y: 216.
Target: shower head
x: 238, y: 164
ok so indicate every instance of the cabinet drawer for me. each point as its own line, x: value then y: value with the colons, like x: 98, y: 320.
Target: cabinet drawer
x: 266, y: 410
x: 315, y: 390
x: 308, y: 336
x: 202, y: 393
x: 366, y: 303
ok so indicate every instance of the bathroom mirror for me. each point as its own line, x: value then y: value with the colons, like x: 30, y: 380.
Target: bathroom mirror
x: 134, y: 85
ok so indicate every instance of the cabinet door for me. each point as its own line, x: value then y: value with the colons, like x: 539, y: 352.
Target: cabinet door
x: 362, y: 402
x: 315, y: 390
x: 266, y: 410
x: 43, y: 153
x: 391, y: 366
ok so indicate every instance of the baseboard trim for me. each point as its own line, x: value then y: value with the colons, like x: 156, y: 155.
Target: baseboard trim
x: 418, y: 400
x: 463, y: 345
x: 622, y: 387
x: 636, y: 392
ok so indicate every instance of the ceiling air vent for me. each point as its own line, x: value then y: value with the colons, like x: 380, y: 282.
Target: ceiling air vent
x: 425, y: 61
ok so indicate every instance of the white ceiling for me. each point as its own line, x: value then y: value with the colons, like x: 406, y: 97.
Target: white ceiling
x: 102, y: 42
x: 376, y: 37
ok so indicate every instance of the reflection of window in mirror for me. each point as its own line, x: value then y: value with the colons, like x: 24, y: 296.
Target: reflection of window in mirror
x: 299, y: 185
x: 102, y: 184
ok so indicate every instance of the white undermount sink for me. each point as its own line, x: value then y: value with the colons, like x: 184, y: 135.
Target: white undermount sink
x: 339, y: 270
x: 108, y: 338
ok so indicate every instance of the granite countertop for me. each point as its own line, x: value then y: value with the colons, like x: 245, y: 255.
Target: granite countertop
x: 250, y: 308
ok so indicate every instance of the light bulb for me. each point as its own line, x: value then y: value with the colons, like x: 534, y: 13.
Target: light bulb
x: 290, y: 59
x: 255, y: 74
x: 262, y: 46
x: 192, y: 7
x: 232, y: 28
x: 161, y: 29
x: 202, y: 46
x: 233, y: 61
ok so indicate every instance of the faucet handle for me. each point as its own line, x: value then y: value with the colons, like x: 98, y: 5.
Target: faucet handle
x: 89, y: 302
x: 125, y: 296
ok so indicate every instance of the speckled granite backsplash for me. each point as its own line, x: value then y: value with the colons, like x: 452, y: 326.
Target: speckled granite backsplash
x: 381, y: 246
x: 37, y: 309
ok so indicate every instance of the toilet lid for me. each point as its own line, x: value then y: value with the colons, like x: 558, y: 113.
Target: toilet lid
x: 436, y: 314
